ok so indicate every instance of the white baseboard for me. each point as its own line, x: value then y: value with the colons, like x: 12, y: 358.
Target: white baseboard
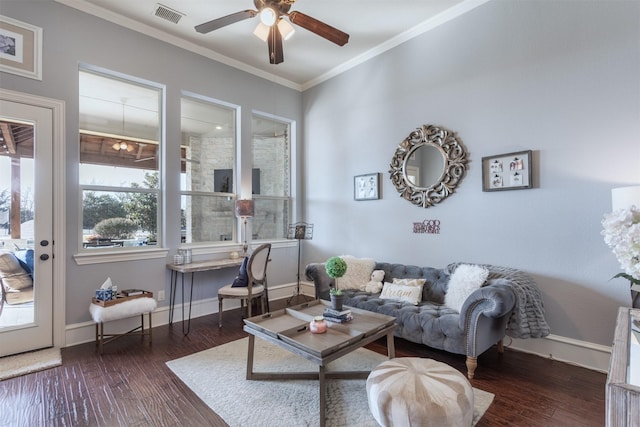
x: 581, y: 353
x: 575, y: 352
x: 83, y: 332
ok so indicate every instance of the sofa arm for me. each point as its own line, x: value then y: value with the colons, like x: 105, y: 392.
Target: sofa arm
x: 484, y: 318
x: 493, y: 300
x: 321, y: 280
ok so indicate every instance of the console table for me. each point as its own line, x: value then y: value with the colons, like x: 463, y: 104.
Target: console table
x: 623, y: 380
x: 193, y: 267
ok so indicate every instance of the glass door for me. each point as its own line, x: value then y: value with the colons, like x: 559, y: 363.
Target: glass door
x: 26, y: 227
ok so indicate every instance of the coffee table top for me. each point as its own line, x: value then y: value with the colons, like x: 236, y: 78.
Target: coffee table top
x: 291, y: 326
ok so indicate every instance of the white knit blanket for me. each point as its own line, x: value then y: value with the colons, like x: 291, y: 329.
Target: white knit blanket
x: 527, y: 319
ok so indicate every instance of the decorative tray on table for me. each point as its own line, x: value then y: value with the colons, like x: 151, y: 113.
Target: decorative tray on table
x: 121, y: 298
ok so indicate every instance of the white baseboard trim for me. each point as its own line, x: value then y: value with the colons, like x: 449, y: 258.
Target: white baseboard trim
x: 79, y: 333
x: 581, y: 353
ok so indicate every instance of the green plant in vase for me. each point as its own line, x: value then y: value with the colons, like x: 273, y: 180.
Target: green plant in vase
x: 336, y: 267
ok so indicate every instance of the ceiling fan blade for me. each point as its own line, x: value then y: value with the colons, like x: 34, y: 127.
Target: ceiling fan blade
x: 276, y: 53
x: 207, y: 27
x: 320, y: 28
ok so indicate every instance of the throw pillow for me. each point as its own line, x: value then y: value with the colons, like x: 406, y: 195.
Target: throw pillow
x: 401, y: 292
x: 410, y: 282
x: 13, y: 276
x: 25, y: 258
x: 463, y: 281
x: 358, y: 272
x: 242, y: 279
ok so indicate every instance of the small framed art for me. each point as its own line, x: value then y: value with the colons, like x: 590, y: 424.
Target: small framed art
x: 510, y: 171
x: 20, y: 48
x: 366, y: 187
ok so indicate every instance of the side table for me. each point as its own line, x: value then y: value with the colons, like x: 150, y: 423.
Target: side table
x: 623, y: 380
x: 193, y: 267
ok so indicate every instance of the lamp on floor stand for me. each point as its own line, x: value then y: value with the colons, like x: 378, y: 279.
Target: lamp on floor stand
x: 244, y: 210
x: 299, y: 231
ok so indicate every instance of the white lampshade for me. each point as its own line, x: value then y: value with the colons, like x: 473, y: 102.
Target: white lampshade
x: 286, y: 29
x: 625, y: 197
x: 261, y: 31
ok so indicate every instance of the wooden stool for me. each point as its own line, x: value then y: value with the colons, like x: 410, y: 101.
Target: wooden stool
x: 115, y: 310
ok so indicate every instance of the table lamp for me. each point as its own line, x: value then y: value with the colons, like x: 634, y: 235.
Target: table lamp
x: 244, y: 210
x: 625, y: 197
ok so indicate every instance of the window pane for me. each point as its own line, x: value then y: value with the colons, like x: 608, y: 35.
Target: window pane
x: 208, y: 146
x: 207, y: 218
x: 119, y: 129
x: 114, y: 219
x: 271, y: 218
x: 16, y: 231
x: 271, y: 157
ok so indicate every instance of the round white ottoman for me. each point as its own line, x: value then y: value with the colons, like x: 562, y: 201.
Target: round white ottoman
x: 411, y: 391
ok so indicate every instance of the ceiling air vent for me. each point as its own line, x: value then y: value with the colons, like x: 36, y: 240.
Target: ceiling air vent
x: 169, y: 14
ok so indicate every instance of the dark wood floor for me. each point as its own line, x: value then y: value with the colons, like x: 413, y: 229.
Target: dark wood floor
x: 130, y: 385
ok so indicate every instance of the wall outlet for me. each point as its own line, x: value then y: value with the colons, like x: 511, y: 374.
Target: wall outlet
x: 160, y: 295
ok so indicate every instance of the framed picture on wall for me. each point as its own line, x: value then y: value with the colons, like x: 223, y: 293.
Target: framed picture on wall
x: 366, y: 187
x: 510, y: 171
x: 20, y: 48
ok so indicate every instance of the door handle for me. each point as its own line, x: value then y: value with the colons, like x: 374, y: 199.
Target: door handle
x: 44, y: 242
x: 44, y: 257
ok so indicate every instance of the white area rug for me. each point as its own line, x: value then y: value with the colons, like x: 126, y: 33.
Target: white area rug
x: 218, y: 375
x: 26, y: 363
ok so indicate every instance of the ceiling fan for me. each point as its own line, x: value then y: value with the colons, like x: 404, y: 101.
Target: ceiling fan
x: 273, y: 28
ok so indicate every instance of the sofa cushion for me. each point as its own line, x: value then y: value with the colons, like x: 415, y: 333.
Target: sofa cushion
x: 25, y: 258
x: 358, y: 272
x: 13, y: 276
x: 435, y: 325
x: 436, y: 279
x: 464, y: 280
x: 402, y: 291
x: 410, y: 282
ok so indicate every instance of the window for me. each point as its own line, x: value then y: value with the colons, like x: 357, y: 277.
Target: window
x: 271, y: 177
x: 120, y: 148
x: 208, y: 179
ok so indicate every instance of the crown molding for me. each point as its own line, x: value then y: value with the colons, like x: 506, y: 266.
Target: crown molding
x: 147, y: 30
x: 442, y: 18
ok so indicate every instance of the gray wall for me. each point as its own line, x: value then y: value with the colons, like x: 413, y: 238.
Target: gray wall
x: 72, y: 37
x: 559, y: 78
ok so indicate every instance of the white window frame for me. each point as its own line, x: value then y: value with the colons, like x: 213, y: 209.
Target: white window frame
x: 104, y: 255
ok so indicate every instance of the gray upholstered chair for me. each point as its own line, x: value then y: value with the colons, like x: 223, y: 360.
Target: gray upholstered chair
x: 256, y: 284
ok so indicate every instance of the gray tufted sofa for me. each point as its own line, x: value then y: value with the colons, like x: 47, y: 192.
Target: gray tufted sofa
x: 481, y: 324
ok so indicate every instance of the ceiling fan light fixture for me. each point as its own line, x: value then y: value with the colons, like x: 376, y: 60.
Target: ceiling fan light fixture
x: 286, y: 29
x: 268, y: 16
x: 262, y: 32
x: 121, y: 145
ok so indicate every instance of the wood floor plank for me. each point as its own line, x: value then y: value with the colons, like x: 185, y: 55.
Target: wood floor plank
x: 130, y: 384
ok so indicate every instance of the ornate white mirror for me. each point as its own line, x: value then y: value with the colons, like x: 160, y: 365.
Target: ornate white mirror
x: 428, y: 165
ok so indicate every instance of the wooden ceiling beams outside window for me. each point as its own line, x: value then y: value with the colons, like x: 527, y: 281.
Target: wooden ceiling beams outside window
x: 16, y: 142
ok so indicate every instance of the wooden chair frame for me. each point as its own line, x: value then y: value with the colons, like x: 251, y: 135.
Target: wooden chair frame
x: 257, y: 272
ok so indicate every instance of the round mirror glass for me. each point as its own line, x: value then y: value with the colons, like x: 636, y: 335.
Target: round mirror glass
x: 424, y: 166
x: 428, y: 165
